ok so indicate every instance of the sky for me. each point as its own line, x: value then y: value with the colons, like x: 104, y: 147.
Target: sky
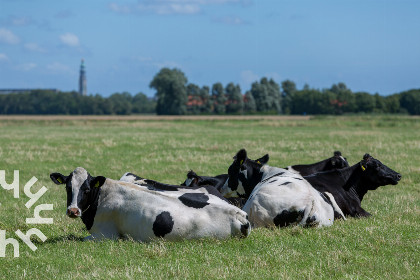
x: 370, y: 45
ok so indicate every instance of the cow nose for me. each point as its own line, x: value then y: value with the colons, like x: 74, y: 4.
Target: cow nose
x: 73, y: 212
x: 398, y: 176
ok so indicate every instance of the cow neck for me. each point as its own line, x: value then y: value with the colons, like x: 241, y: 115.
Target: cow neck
x: 88, y: 214
x: 354, y: 181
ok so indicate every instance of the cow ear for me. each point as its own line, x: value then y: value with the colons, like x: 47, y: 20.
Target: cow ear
x: 337, y: 154
x: 97, y: 182
x: 58, y: 178
x: 263, y: 160
x: 241, y: 156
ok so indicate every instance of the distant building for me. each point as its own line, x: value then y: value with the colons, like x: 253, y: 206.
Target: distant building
x: 23, y: 90
x: 82, y: 79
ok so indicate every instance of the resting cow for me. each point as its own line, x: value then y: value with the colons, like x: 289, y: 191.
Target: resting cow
x: 335, y: 162
x: 114, y: 209
x: 349, y: 185
x: 278, y: 197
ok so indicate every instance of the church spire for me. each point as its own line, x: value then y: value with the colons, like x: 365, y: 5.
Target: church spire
x: 82, y: 79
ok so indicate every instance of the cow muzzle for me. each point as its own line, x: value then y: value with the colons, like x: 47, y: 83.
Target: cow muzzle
x: 74, y: 212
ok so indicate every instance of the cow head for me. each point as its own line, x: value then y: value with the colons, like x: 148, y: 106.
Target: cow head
x: 376, y: 174
x: 244, y: 175
x: 82, y: 189
x: 338, y: 161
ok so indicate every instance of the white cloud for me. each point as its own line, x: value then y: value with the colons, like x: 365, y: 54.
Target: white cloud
x: 230, y: 20
x: 69, y: 39
x: 26, y: 66
x: 34, y: 47
x: 3, y: 57
x: 248, y: 77
x: 7, y: 36
x: 170, y: 7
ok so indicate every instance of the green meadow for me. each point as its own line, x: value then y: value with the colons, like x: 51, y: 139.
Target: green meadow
x: 384, y: 246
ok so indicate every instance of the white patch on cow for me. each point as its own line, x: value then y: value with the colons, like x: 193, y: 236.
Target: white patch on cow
x: 291, y: 192
x: 335, y: 205
x: 226, y: 191
x: 79, y: 177
x: 290, y: 169
x: 132, y: 179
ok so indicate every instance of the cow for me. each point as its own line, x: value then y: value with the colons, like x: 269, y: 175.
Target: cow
x: 337, y: 161
x: 278, y: 197
x: 219, y: 180
x: 349, y: 185
x: 113, y: 209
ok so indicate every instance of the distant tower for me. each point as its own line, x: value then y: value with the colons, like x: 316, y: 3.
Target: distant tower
x: 82, y: 79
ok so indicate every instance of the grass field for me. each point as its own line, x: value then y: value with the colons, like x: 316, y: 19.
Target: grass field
x: 384, y: 246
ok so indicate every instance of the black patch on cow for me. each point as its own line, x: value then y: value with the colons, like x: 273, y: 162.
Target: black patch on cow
x: 244, y: 229
x: 310, y: 220
x: 156, y: 186
x: 163, y: 224
x: 285, y: 183
x: 272, y: 181
x: 278, y: 174
x: 298, y: 178
x: 286, y: 218
x: 194, y: 200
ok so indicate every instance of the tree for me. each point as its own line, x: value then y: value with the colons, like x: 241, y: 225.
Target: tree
x: 289, y: 88
x: 235, y: 102
x: 194, y: 101
x: 267, y: 96
x: 249, y: 103
x: 365, y: 102
x: 219, y: 98
x: 207, y: 106
x: 171, y: 92
x: 410, y: 100
x: 345, y: 101
x: 142, y: 104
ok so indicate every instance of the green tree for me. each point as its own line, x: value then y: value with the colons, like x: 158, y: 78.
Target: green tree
x: 142, y: 104
x: 249, y: 103
x: 207, y: 106
x: 392, y: 103
x: 365, y: 102
x: 410, y: 101
x: 235, y: 102
x: 289, y: 88
x: 345, y: 101
x: 171, y: 92
x: 267, y: 96
x: 219, y: 98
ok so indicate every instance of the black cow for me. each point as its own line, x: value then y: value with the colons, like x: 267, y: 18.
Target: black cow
x: 349, y: 185
x: 335, y: 162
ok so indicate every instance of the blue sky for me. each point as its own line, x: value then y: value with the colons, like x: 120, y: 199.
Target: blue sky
x: 370, y: 45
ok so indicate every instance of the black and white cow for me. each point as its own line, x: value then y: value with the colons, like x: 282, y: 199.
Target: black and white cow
x: 278, y: 197
x: 337, y: 161
x: 217, y: 181
x: 114, y: 209
x: 349, y: 185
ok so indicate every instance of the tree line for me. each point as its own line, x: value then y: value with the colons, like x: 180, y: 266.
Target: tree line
x: 175, y: 96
